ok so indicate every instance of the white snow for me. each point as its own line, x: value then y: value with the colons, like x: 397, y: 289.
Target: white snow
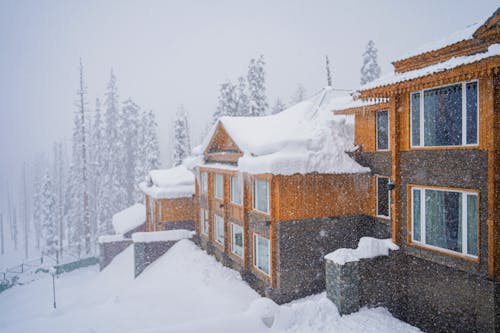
x: 161, y: 236
x: 129, y: 218
x: 304, y: 138
x: 451, y: 39
x: 368, y: 247
x: 357, y: 103
x: 111, y: 238
x: 185, y: 290
x: 392, y: 78
x: 177, y: 182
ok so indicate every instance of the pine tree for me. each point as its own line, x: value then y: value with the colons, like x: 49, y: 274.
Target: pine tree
x: 328, y: 73
x: 370, y: 69
x: 59, y: 175
x: 242, y: 103
x: 227, y: 104
x: 47, y: 217
x: 278, y: 106
x: 129, y: 129
x: 182, y: 141
x: 257, y: 87
x: 299, y: 95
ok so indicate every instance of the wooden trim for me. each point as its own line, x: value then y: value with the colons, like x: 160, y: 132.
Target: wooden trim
x: 257, y: 270
x: 230, y: 247
x: 223, y: 157
x: 363, y: 109
x: 409, y: 220
x: 395, y: 142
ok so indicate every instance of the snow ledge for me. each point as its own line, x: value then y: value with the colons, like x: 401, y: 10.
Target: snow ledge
x: 161, y: 236
x: 368, y: 247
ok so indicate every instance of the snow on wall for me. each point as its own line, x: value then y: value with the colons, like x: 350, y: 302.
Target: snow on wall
x: 129, y: 218
x: 177, y: 182
x: 110, y: 238
x: 493, y: 50
x: 368, y: 247
x: 161, y: 236
x: 304, y: 138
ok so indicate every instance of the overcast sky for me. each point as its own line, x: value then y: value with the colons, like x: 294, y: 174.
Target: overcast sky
x: 167, y: 53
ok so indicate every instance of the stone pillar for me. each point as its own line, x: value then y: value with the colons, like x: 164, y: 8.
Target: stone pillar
x: 343, y: 286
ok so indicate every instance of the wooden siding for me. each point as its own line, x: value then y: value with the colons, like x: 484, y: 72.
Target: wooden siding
x: 179, y: 209
x: 364, y: 131
x: 319, y: 195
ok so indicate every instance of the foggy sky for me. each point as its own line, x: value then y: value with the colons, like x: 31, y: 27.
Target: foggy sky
x: 167, y: 53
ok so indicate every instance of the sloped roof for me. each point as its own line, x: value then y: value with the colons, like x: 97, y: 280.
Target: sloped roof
x: 304, y: 138
x: 170, y: 183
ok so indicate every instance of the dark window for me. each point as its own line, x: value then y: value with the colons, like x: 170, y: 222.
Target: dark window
x: 471, y: 95
x: 415, y: 119
x: 382, y: 196
x: 382, y: 130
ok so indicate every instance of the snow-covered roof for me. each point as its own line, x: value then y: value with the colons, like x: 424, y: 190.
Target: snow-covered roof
x: 161, y: 236
x: 392, y: 78
x: 304, y: 138
x: 358, y: 103
x: 177, y: 182
x: 451, y: 39
x: 129, y: 218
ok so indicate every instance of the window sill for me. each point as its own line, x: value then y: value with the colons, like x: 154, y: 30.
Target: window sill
x: 445, y: 147
x: 258, y: 212
x: 261, y: 273
x: 449, y: 253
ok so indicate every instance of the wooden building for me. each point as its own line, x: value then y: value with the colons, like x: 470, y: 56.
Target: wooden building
x: 434, y: 139
x: 169, y: 199
x: 276, y: 193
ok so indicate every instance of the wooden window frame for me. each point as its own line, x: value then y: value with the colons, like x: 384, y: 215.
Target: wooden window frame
x: 216, y: 175
x: 255, y: 196
x: 204, y: 211
x: 204, y: 182
x: 388, y: 198
x: 388, y: 131
x: 422, y: 245
x: 464, y: 143
x: 242, y: 241
x: 255, y: 254
x: 231, y: 190
x: 216, y: 229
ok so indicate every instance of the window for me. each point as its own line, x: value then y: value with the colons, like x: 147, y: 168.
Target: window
x: 261, y: 253
x: 237, y: 239
x: 219, y: 186
x: 261, y: 195
x: 236, y: 189
x: 445, y: 116
x: 383, y: 197
x: 445, y: 219
x: 204, y: 182
x: 204, y: 221
x: 382, y: 130
x: 219, y: 229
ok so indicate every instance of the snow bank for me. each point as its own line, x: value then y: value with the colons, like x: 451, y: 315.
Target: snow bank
x: 368, y: 247
x: 177, y: 182
x: 161, y: 236
x: 111, y: 238
x: 392, y: 78
x: 304, y: 138
x: 129, y: 218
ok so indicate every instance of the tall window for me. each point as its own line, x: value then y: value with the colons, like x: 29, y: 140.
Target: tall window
x: 261, y: 195
x: 237, y: 239
x: 204, y: 182
x: 236, y: 189
x: 204, y: 221
x: 261, y: 253
x: 383, y: 197
x: 219, y: 229
x: 382, y: 130
x: 219, y: 186
x: 445, y: 219
x: 445, y: 116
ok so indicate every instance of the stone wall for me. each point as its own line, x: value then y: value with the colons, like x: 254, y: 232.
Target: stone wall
x: 186, y: 225
x: 428, y: 295
x: 109, y: 250
x: 379, y: 162
x: 146, y: 253
x: 139, y: 228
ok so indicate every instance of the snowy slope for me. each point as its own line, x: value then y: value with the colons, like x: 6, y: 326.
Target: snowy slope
x: 185, y: 290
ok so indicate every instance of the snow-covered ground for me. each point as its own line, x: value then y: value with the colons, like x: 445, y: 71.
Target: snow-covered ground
x: 185, y: 290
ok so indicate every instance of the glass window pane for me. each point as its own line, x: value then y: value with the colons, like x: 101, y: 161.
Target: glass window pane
x: 262, y: 255
x: 416, y: 215
x: 443, y: 116
x: 237, y: 243
x: 382, y: 130
x: 382, y: 196
x: 471, y: 95
x: 472, y: 224
x: 219, y: 186
x: 235, y: 190
x: 204, y: 182
x: 219, y: 229
x: 415, y: 119
x: 204, y: 217
x: 261, y: 193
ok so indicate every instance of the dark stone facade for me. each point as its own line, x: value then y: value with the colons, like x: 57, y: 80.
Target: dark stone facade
x: 140, y: 228
x: 186, y: 225
x: 109, y: 250
x: 425, y: 294
x: 146, y: 253
x: 379, y: 162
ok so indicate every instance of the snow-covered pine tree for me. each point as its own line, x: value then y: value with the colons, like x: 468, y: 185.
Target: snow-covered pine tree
x: 48, y: 217
x: 256, y: 77
x: 370, y: 69
x: 182, y: 141
x: 328, y: 72
x: 299, y: 95
x: 149, y: 149
x: 227, y: 103
x: 242, y: 103
x: 26, y: 215
x: 129, y: 129
x: 58, y: 176
x: 278, y: 106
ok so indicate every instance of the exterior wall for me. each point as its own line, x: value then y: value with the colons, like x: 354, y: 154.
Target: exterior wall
x: 176, y: 213
x: 109, y: 250
x: 146, y: 253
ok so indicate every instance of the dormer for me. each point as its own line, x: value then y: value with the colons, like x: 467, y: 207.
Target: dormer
x: 222, y: 148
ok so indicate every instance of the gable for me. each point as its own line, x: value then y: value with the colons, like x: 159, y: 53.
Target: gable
x: 221, y: 147
x: 490, y: 30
